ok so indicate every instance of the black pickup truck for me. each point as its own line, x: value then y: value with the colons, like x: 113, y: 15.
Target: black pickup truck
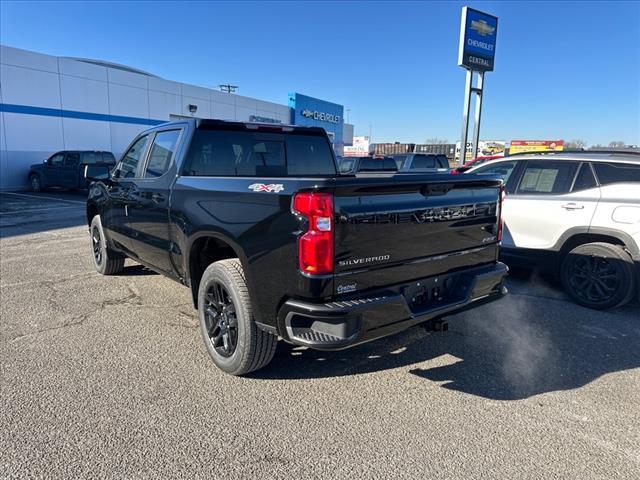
x: 70, y: 169
x: 273, y: 241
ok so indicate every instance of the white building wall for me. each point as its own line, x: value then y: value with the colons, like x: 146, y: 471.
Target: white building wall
x: 30, y: 79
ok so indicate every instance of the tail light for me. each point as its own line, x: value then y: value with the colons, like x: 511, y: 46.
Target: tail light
x: 315, y: 247
x: 503, y: 194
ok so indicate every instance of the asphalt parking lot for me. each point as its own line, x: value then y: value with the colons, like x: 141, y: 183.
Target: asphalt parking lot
x: 108, y: 376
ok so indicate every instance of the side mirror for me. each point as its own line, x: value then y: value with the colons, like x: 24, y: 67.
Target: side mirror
x: 96, y: 173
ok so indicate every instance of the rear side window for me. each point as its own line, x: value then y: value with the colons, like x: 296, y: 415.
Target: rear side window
x: 107, y: 157
x: 91, y: 157
x: 257, y: 154
x: 540, y: 177
x: 585, y: 179
x: 72, y: 159
x: 162, y: 152
x: 616, y: 172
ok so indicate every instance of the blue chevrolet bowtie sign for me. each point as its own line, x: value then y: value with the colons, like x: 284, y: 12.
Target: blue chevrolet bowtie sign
x: 478, y: 32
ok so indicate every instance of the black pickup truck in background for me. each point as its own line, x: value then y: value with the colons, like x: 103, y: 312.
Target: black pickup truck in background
x: 273, y: 241
x: 70, y: 169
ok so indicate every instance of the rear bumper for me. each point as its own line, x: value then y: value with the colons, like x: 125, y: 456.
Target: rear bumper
x: 357, y: 319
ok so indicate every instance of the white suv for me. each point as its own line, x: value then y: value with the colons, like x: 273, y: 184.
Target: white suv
x: 577, y: 215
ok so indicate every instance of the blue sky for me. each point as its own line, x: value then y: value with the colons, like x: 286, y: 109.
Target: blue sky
x: 563, y: 70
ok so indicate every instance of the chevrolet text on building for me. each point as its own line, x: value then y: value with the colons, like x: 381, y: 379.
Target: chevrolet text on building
x: 323, y: 117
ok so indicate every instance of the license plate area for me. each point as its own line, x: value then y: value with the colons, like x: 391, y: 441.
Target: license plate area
x: 436, y: 292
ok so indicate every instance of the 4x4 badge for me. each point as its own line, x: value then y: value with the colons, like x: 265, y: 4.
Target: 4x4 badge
x: 261, y: 187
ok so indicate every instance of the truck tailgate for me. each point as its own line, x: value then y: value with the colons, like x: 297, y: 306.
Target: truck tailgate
x: 396, y: 229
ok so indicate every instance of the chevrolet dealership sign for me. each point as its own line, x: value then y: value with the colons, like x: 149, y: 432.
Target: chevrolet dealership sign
x: 478, y: 32
x: 323, y: 117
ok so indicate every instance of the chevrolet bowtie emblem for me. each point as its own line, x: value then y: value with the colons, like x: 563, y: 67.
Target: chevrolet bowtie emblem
x: 482, y: 27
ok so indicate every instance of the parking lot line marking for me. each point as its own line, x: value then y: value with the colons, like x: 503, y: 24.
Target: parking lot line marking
x: 31, y: 210
x: 43, y: 197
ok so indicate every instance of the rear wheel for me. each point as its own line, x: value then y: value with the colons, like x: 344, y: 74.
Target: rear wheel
x: 106, y: 261
x: 599, y: 275
x: 36, y: 183
x: 234, y: 342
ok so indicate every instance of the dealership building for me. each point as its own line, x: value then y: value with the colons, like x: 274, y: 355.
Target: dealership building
x: 50, y: 103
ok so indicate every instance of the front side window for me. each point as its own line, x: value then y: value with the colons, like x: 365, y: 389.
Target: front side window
x: 162, y: 153
x: 56, y: 160
x: 129, y: 164
x: 547, y: 177
x: 616, y: 172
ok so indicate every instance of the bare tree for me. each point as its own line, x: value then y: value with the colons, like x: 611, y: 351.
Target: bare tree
x: 576, y: 143
x: 436, y: 141
x: 617, y: 144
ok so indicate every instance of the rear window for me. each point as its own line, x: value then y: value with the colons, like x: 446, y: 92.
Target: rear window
x: 423, y: 161
x: 98, y: 157
x: 258, y: 154
x: 616, y: 172
x: 371, y: 164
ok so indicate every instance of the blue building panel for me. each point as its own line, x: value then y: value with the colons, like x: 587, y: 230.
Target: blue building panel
x: 313, y: 112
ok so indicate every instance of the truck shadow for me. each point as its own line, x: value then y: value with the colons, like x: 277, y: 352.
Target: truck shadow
x: 512, y: 349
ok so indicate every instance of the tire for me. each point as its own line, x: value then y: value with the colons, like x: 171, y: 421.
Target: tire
x: 36, y: 182
x: 599, y: 275
x: 106, y: 261
x: 234, y: 342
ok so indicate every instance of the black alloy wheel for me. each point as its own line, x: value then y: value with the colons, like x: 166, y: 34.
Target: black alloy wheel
x: 221, y: 320
x: 594, y: 279
x: 599, y: 275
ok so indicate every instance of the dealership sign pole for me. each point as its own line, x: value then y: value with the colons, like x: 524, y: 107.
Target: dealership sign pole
x: 478, y: 32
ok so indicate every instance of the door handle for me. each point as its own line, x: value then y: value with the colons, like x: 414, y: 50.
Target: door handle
x: 572, y: 206
x: 157, y: 198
